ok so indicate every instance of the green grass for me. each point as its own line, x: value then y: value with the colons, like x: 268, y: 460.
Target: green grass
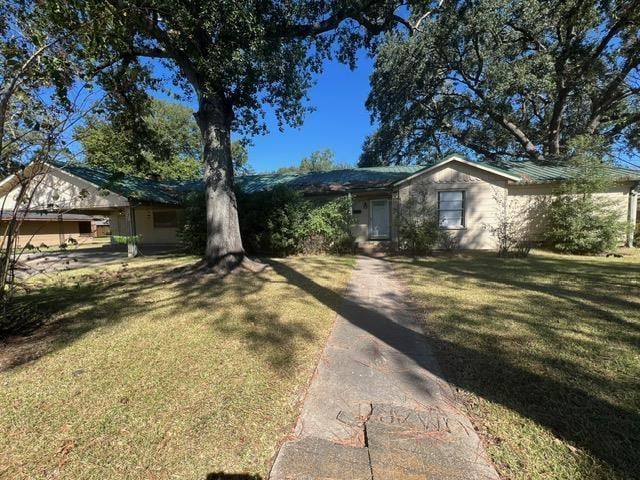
x: 145, y: 373
x: 544, y: 353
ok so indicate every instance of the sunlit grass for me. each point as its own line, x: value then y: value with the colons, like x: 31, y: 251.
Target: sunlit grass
x: 545, y: 354
x: 145, y: 373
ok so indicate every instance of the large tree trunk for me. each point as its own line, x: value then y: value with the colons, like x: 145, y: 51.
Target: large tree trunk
x: 224, y: 250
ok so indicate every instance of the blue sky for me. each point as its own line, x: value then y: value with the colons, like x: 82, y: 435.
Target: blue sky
x: 340, y: 121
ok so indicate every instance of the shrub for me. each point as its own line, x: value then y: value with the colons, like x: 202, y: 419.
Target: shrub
x: 126, y: 239
x: 192, y: 233
x: 577, y: 221
x: 580, y: 224
x: 510, y: 228
x: 327, y: 228
x: 277, y: 222
x: 418, y: 226
x: 449, y: 242
x: 272, y: 222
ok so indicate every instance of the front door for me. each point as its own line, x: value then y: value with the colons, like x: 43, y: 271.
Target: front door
x: 379, y: 220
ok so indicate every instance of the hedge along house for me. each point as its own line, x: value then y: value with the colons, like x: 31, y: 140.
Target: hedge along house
x: 135, y: 206
x: 467, y: 197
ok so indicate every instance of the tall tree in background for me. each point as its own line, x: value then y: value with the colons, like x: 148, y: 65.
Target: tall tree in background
x: 318, y: 161
x: 240, y: 159
x: 235, y: 56
x: 514, y: 80
x: 165, y: 145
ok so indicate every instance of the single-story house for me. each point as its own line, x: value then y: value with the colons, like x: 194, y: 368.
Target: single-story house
x: 132, y: 205
x: 467, y: 195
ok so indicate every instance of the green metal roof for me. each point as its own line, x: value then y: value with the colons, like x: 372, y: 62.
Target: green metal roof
x: 343, y: 180
x: 333, y: 181
x: 131, y: 187
x: 531, y: 172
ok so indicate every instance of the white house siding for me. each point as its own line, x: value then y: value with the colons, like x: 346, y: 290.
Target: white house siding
x: 528, y: 201
x: 144, y: 225
x: 56, y: 189
x: 481, y: 192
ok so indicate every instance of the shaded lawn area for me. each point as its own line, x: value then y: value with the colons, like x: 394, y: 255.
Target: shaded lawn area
x: 544, y: 352
x: 143, y: 372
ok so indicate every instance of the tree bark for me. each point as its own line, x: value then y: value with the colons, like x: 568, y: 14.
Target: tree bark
x: 224, y: 250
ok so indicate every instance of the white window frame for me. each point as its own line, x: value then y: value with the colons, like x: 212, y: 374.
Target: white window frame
x: 463, y: 209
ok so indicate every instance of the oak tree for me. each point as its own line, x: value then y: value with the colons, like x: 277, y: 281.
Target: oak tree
x: 512, y: 80
x: 235, y: 57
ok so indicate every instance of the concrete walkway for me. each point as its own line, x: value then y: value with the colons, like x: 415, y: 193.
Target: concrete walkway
x: 377, y: 407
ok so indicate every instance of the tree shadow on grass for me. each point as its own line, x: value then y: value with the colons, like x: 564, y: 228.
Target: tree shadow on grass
x: 609, y: 432
x: 85, y: 302
x: 232, y: 476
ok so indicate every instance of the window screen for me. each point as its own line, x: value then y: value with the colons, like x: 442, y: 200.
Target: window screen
x: 84, y: 228
x: 165, y: 219
x: 451, y: 209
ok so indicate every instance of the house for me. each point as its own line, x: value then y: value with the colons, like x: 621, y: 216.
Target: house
x: 133, y: 205
x: 467, y: 195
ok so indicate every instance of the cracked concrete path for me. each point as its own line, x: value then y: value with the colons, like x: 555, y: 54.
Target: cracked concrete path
x: 377, y: 407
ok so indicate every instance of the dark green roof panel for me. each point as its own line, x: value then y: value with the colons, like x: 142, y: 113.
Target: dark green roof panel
x: 334, y: 181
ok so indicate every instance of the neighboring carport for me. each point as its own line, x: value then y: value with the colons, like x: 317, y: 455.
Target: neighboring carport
x: 78, y: 189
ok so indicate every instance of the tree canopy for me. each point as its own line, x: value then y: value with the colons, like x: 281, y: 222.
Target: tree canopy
x: 236, y: 57
x: 318, y: 161
x: 503, y: 79
x: 165, y: 145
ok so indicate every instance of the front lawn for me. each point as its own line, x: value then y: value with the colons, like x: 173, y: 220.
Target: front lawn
x: 545, y: 354
x: 143, y: 372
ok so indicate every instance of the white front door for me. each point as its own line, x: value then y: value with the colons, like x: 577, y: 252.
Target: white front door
x: 379, y: 221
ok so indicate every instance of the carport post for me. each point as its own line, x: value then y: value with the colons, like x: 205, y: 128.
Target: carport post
x: 132, y: 245
x: 633, y: 213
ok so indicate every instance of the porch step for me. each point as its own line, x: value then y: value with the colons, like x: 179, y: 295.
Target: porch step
x: 375, y: 248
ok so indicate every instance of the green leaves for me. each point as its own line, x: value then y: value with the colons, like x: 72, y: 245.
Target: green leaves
x: 582, y: 224
x: 318, y: 161
x: 495, y: 78
x: 164, y: 143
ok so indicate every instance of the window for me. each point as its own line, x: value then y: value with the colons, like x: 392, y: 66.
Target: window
x: 84, y: 228
x: 451, y: 209
x: 165, y: 219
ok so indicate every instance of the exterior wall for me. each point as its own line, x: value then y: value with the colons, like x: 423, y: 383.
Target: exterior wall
x: 60, y: 190
x: 529, y: 201
x: 482, y: 191
x: 145, y: 227
x: 52, y: 234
